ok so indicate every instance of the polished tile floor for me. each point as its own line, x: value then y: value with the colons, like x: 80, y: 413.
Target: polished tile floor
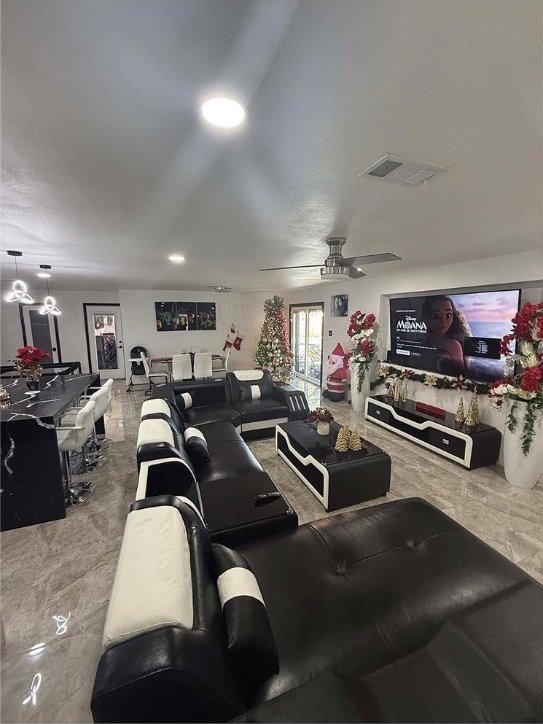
x: 56, y: 577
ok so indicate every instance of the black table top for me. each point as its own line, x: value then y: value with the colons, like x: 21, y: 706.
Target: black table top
x: 56, y: 394
x: 408, y: 410
x: 303, y: 436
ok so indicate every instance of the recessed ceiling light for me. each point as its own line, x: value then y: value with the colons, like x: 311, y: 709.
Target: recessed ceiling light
x: 176, y: 258
x: 223, y: 112
x: 43, y: 275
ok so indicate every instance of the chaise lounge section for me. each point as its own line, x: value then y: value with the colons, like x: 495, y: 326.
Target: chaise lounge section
x: 392, y: 613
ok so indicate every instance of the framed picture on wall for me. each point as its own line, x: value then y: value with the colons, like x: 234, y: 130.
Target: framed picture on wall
x: 186, y: 311
x: 166, y: 316
x: 206, y: 315
x: 339, y: 306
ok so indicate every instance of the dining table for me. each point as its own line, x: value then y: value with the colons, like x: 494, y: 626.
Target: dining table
x: 32, y: 489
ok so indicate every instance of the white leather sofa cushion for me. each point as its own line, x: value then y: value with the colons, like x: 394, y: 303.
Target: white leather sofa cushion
x: 154, y: 431
x: 153, y: 583
x: 153, y: 407
x: 249, y: 375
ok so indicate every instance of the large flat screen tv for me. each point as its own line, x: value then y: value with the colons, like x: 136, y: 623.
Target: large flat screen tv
x: 453, y: 334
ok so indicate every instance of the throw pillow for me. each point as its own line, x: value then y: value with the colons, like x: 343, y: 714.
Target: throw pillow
x: 250, y: 392
x: 196, y: 446
x: 249, y: 636
x: 184, y: 401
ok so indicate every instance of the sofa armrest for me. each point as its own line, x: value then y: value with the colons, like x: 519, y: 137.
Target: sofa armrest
x: 294, y: 399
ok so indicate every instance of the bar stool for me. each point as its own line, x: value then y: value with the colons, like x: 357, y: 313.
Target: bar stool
x: 91, y: 458
x: 71, y: 438
x: 103, y: 441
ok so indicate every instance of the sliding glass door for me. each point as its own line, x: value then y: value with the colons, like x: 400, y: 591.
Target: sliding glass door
x: 306, y: 323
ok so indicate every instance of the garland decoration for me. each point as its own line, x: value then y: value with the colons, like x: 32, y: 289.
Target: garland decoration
x: 387, y: 374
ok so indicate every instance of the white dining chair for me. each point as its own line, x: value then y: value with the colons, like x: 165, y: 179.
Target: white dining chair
x: 220, y: 366
x: 181, y: 367
x: 153, y: 375
x: 202, y: 365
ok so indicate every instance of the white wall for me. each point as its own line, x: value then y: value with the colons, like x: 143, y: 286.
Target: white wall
x: 71, y: 325
x: 243, y: 310
x: 371, y: 294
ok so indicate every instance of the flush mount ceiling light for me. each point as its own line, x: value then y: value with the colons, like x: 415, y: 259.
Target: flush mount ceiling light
x: 223, y: 112
x: 19, y: 290
x: 49, y: 305
x: 176, y: 258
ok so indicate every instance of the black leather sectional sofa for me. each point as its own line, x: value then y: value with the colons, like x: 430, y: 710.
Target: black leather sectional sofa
x: 392, y: 613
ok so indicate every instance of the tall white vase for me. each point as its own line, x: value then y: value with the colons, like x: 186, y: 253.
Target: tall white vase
x: 358, y: 399
x: 523, y: 470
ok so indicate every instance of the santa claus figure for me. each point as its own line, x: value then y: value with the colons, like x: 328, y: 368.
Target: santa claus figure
x: 337, y: 370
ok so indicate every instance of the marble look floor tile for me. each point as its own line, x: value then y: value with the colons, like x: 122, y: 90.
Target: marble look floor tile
x: 67, y: 566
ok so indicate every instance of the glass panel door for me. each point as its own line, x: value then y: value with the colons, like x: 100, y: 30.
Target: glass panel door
x: 105, y: 341
x: 306, y: 336
x: 41, y: 331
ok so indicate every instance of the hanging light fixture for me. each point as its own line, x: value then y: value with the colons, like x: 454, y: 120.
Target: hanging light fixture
x: 19, y: 290
x: 49, y: 303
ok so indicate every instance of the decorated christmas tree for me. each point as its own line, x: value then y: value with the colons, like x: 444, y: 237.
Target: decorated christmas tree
x: 273, y: 351
x: 472, y: 417
x: 342, y: 442
x: 460, y: 415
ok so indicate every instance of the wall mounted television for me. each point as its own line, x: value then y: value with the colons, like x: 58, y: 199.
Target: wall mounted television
x: 453, y: 334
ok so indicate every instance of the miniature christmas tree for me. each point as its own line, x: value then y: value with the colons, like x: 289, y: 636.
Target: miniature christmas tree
x: 354, y: 440
x: 273, y: 350
x: 460, y: 416
x: 342, y: 442
x: 396, y: 391
x: 404, y: 392
x: 472, y: 418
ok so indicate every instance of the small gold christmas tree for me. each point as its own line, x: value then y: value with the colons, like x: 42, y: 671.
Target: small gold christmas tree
x: 472, y: 418
x: 354, y: 440
x: 342, y: 442
x: 396, y: 391
x: 460, y: 416
x: 404, y: 392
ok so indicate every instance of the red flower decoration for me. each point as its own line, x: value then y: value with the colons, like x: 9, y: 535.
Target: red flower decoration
x: 531, y: 379
x: 30, y: 354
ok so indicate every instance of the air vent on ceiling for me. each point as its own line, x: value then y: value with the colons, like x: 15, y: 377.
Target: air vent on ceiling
x: 402, y: 171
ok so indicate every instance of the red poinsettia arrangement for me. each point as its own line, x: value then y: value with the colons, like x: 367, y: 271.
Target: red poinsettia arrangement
x: 27, y: 361
x: 320, y: 414
x: 363, y: 333
x: 527, y: 383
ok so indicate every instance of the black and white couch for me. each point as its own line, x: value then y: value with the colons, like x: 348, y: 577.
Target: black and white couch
x: 392, y: 613
x: 210, y: 465
x: 247, y: 399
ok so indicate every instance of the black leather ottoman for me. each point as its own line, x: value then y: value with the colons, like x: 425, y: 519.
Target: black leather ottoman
x: 336, y: 479
x: 241, y: 508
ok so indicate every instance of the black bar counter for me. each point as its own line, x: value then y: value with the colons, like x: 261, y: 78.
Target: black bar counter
x: 31, y: 475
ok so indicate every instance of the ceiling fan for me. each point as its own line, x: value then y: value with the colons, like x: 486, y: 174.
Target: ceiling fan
x: 336, y: 266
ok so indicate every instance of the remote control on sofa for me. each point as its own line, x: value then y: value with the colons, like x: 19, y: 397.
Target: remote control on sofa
x: 264, y: 498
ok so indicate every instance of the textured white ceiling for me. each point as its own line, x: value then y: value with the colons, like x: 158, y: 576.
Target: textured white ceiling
x: 108, y: 167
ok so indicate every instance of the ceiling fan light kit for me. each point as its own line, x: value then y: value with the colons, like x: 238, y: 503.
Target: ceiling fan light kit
x: 337, y: 267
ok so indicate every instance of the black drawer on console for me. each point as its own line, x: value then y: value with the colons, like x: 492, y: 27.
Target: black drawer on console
x: 450, y: 443
x: 379, y: 413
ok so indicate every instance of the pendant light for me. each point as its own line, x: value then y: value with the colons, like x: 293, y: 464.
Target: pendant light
x: 19, y: 290
x: 49, y: 303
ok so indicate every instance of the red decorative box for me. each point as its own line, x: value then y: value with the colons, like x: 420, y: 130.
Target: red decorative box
x: 430, y: 410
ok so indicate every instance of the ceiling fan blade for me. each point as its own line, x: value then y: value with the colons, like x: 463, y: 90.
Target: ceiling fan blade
x: 368, y: 259
x: 303, y: 266
x: 354, y: 273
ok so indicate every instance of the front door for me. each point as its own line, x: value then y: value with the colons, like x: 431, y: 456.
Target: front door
x: 42, y: 331
x: 105, y: 340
